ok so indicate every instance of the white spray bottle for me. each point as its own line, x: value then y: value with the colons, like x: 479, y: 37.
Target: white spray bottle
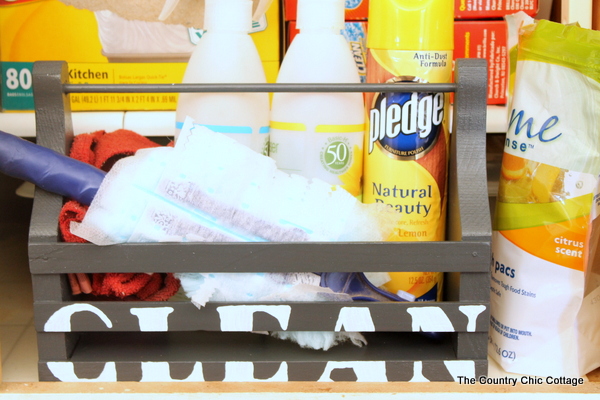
x: 226, y: 54
x: 319, y: 135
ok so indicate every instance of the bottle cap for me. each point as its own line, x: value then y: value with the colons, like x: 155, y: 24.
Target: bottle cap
x: 228, y: 15
x: 320, y: 14
x: 411, y: 24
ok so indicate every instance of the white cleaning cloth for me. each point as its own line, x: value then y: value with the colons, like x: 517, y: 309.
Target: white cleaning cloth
x: 321, y: 340
x: 211, y: 188
x: 258, y: 287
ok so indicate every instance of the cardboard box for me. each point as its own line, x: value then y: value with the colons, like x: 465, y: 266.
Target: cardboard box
x: 482, y: 9
x: 596, y: 15
x: 485, y: 39
x: 356, y: 35
x: 32, y: 30
x: 355, y: 10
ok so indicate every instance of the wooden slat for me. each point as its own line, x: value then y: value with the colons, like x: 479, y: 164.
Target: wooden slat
x: 468, y: 204
x: 133, y: 316
x: 248, y: 357
x: 51, y: 258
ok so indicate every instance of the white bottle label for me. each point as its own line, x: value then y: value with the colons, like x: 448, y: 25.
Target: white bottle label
x: 332, y: 153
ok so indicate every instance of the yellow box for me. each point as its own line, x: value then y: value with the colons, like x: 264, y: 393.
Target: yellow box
x: 32, y: 30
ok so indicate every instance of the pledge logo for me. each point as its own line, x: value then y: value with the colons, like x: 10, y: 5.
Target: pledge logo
x: 405, y: 124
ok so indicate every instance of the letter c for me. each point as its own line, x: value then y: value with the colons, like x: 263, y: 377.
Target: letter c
x: 60, y: 321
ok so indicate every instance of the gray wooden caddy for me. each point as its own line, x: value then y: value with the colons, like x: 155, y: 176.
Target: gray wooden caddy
x: 95, y: 340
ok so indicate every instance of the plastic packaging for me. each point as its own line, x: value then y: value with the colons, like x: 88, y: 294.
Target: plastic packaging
x: 319, y: 135
x: 212, y: 188
x: 227, y: 54
x: 545, y: 272
x: 406, y: 145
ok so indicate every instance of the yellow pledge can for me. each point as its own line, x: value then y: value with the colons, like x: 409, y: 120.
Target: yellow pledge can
x: 407, y: 142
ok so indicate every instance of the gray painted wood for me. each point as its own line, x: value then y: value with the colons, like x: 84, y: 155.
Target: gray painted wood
x: 53, y: 123
x: 468, y: 345
x: 474, y: 286
x: 400, y: 356
x: 259, y: 257
x: 464, y: 259
x: 54, y: 129
x: 309, y: 316
x: 57, y: 346
x: 467, y: 170
x: 50, y: 287
x: 297, y: 371
x: 234, y: 346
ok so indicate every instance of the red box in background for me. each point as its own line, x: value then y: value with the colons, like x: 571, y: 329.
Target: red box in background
x: 480, y: 9
x: 485, y: 39
x: 291, y: 32
x: 355, y: 10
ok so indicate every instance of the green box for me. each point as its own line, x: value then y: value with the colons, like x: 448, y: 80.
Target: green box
x: 17, y: 92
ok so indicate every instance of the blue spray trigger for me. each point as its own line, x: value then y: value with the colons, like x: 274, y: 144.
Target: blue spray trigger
x: 357, y: 286
x: 360, y: 288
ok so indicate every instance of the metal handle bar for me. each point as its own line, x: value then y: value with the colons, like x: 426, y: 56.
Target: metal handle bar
x: 251, y: 87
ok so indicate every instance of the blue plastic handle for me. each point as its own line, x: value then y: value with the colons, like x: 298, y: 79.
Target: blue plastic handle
x: 48, y: 169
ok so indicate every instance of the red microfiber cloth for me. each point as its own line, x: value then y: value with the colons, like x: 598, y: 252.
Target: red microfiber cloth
x: 71, y: 211
x: 148, y: 287
x: 103, y: 150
